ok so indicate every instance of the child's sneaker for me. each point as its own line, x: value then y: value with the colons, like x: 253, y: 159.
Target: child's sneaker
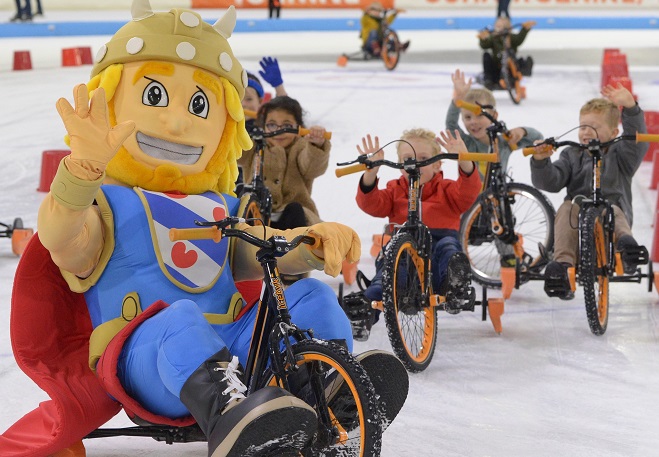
x: 557, y: 282
x: 362, y: 316
x: 631, y: 253
x: 458, y: 284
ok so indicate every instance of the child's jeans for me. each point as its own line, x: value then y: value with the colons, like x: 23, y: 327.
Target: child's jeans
x: 445, y: 243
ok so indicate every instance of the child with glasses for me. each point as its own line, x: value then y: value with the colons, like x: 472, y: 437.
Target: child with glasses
x: 292, y: 162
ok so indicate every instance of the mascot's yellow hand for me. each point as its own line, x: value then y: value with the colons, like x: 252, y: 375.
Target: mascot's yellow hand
x: 92, y: 138
x: 338, y: 242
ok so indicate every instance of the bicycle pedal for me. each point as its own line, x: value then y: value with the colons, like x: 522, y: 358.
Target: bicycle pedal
x: 637, y: 255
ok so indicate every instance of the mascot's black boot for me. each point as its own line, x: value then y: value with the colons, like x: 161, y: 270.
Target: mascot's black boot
x: 270, y: 421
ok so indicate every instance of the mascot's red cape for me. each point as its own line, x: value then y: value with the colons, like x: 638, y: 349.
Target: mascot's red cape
x: 50, y: 329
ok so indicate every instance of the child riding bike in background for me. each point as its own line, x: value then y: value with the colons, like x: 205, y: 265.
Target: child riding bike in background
x: 493, y: 43
x: 292, y: 163
x: 371, y: 32
x: 476, y: 137
x: 443, y: 201
x: 598, y: 119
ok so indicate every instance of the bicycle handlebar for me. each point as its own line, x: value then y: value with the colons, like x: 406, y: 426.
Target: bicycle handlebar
x: 218, y: 229
x: 362, y: 163
x: 551, y: 143
x: 299, y: 130
x: 478, y: 111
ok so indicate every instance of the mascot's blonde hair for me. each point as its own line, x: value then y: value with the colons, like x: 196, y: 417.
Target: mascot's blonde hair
x: 222, y: 170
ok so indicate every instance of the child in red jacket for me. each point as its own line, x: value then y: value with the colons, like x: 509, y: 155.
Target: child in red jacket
x: 442, y: 200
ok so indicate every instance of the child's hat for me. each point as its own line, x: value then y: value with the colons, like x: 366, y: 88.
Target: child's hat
x: 178, y: 36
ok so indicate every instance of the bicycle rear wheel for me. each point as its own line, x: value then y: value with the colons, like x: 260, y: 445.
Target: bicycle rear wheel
x: 512, y: 79
x: 533, y: 216
x: 390, y: 49
x: 594, y: 267
x: 411, y: 321
x: 254, y: 212
x: 352, y: 406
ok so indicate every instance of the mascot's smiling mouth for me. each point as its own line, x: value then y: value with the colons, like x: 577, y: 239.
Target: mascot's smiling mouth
x: 166, y: 150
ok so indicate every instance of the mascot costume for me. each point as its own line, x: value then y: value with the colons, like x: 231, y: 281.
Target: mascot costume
x: 107, y: 312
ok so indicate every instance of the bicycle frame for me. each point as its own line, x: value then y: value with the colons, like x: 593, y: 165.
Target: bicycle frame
x: 498, y: 207
x: 414, y: 224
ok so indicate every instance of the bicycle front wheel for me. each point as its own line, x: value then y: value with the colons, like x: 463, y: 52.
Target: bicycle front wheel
x: 390, y: 49
x: 411, y: 321
x: 533, y: 218
x: 253, y: 212
x: 349, y: 420
x: 593, y: 269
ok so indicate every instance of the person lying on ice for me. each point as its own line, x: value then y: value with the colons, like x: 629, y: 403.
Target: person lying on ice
x: 154, y: 139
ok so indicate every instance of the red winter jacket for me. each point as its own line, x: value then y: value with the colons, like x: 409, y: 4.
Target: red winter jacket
x: 442, y: 200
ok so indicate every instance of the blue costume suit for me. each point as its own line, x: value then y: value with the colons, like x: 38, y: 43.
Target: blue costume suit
x: 194, y: 277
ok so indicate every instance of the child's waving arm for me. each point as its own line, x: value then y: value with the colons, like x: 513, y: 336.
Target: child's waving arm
x: 371, y: 146
x: 453, y: 143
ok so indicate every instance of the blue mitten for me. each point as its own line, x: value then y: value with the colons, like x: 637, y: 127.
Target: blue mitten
x: 271, y: 73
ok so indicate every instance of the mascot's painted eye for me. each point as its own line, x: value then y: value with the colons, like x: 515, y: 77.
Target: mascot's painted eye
x: 199, y: 104
x: 155, y: 94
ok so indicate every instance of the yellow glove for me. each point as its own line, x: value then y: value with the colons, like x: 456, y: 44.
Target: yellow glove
x: 337, y: 242
x: 93, y: 140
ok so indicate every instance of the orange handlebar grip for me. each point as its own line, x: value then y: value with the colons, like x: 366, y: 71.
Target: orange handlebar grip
x: 647, y: 137
x: 250, y: 113
x: 355, y: 168
x: 469, y: 106
x: 528, y: 151
x: 513, y: 146
x: 478, y: 156
x: 302, y: 131
x: 204, y: 233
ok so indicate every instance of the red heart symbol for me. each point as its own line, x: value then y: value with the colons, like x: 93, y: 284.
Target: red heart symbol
x: 181, y: 257
x: 175, y: 194
x: 219, y: 213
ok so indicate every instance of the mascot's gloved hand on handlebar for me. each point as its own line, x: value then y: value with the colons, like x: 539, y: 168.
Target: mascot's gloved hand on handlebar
x: 154, y: 137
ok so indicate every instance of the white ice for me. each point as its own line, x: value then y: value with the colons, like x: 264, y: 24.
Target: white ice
x: 546, y: 386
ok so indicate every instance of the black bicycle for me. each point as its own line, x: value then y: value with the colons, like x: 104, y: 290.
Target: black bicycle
x: 390, y: 46
x: 511, y: 70
x: 409, y: 302
x: 598, y: 264
x: 511, y: 224
x: 258, y: 207
x: 322, y: 373
x: 19, y: 235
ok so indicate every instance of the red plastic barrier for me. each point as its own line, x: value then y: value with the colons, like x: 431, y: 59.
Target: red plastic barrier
x: 71, y: 57
x: 85, y: 53
x: 49, y: 162
x: 22, y: 60
x: 654, y: 255
x: 652, y: 124
x: 613, y: 64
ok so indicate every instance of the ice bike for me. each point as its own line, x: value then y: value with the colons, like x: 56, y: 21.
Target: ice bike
x: 258, y: 208
x: 390, y: 47
x: 511, y: 224
x: 511, y: 71
x: 598, y: 264
x: 409, y: 303
x: 322, y: 373
x: 18, y: 233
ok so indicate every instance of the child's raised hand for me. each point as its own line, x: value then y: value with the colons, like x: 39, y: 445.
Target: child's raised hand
x: 483, y: 34
x: 528, y: 24
x: 460, y: 85
x: 270, y: 71
x: 454, y: 144
x: 371, y: 146
x: 619, y: 95
x: 316, y: 135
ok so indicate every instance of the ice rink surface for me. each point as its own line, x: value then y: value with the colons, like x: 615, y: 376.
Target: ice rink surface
x: 546, y: 386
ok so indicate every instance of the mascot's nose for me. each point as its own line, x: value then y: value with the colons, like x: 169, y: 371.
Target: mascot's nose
x: 176, y: 121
